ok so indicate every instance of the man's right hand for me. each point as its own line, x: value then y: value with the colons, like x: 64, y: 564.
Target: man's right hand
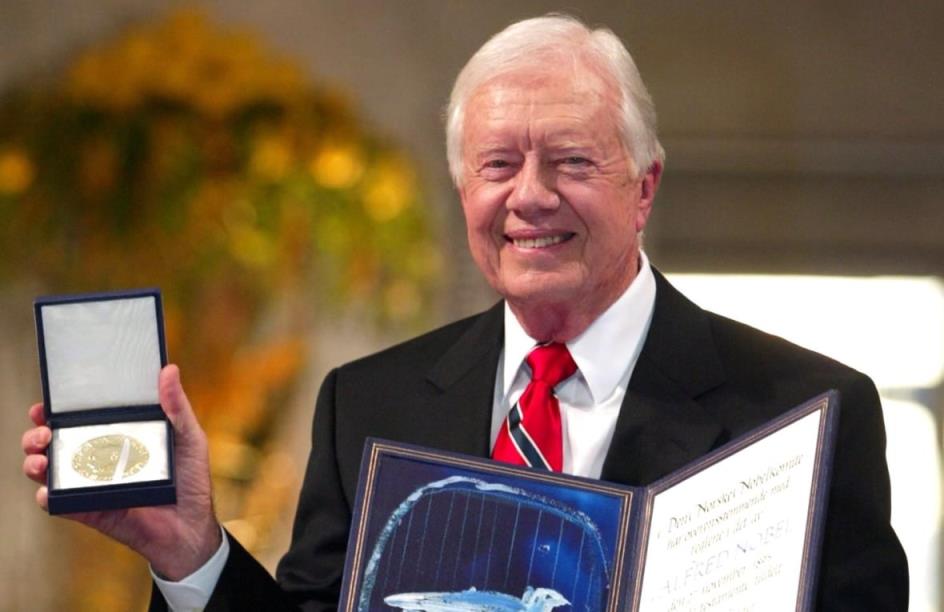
x: 176, y: 539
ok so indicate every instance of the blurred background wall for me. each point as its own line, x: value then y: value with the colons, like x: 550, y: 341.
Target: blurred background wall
x: 802, y: 138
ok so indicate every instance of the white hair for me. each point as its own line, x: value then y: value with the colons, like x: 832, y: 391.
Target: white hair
x: 531, y: 43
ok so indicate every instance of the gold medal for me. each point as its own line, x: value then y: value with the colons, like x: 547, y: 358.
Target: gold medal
x: 111, y: 457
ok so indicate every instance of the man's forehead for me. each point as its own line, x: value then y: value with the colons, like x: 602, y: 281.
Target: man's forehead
x: 569, y: 109
x: 544, y: 85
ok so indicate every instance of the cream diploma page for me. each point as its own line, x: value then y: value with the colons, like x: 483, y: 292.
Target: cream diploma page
x: 736, y: 535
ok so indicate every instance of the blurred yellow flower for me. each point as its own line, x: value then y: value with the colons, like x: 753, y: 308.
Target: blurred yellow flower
x: 88, y: 78
x: 250, y: 246
x: 16, y: 172
x: 388, y: 190
x: 186, y: 26
x: 280, y: 81
x: 185, y: 60
x: 272, y: 158
x: 142, y: 59
x: 337, y: 166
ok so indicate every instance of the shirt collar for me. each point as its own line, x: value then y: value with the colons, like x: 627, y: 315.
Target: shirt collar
x: 606, y: 349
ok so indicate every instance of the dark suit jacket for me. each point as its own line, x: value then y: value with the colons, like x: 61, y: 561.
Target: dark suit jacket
x: 700, y: 380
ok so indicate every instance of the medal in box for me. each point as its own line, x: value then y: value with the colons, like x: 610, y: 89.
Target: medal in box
x: 100, y: 357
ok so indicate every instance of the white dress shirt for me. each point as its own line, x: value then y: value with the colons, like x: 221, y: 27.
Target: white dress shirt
x: 605, y: 354
x: 192, y: 593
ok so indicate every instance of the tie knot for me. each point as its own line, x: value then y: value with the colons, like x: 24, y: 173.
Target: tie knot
x: 551, y: 363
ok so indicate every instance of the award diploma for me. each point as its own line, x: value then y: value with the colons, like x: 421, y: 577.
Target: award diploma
x: 734, y: 535
x: 739, y: 529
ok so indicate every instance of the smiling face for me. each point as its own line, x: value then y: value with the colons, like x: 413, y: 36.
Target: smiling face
x: 552, y: 203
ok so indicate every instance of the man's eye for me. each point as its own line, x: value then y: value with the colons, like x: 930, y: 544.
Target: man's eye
x: 496, y: 163
x: 575, y: 160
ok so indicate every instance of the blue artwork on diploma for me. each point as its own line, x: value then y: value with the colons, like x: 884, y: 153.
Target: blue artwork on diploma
x: 471, y: 600
x: 437, y: 532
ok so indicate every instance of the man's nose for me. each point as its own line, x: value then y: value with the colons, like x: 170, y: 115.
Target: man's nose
x: 534, y: 189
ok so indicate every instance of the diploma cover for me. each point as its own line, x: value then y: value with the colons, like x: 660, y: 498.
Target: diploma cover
x: 739, y: 529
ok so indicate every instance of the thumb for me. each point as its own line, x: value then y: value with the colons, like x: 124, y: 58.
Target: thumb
x: 175, y: 403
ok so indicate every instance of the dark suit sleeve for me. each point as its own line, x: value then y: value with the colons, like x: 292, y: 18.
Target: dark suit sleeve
x: 244, y: 586
x: 311, y: 571
x: 309, y: 575
x: 863, y: 565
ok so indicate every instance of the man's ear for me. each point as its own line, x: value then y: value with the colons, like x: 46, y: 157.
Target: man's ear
x: 648, y: 186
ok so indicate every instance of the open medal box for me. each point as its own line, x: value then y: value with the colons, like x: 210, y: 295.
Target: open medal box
x: 100, y: 357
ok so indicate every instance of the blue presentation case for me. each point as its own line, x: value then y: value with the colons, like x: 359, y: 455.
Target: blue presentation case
x: 86, y: 320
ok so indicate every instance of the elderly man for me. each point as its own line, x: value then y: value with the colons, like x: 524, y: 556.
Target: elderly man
x: 552, y: 146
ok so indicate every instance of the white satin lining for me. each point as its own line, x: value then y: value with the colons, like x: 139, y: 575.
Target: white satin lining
x: 101, y: 354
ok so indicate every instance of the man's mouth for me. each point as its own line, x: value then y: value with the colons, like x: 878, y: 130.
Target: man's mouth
x: 541, y: 242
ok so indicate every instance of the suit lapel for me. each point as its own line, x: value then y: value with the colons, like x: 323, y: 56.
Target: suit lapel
x: 661, y: 426
x: 463, y: 381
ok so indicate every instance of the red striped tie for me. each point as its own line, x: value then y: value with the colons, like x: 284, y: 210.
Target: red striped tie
x: 531, y: 434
